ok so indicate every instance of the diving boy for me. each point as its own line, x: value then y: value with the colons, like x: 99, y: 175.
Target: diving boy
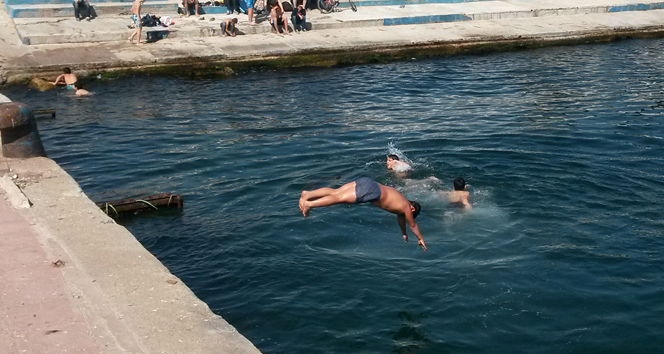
x: 366, y: 190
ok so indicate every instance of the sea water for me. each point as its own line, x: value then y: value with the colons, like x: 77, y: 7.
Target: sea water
x: 562, y: 149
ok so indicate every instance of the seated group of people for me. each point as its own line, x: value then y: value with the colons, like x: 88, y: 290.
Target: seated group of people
x: 278, y: 16
x: 278, y: 10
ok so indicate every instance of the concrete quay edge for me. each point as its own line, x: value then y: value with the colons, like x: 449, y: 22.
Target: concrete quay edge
x: 223, y: 56
x: 75, y: 281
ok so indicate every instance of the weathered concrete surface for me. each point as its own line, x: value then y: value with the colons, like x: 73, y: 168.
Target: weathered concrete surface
x: 495, y: 25
x: 73, y: 281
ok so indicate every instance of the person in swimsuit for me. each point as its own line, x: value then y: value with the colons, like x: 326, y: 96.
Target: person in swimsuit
x: 396, y: 165
x: 458, y: 196
x: 80, y: 91
x: 136, y: 17
x: 366, y: 190
x: 66, y: 78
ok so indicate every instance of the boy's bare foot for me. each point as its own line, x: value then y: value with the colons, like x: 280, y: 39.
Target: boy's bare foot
x: 305, y: 209
x: 252, y: 23
x: 303, y: 198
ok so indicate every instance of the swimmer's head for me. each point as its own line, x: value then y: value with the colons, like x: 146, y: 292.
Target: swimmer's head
x: 66, y: 70
x: 416, y: 207
x: 77, y: 85
x: 459, y: 184
x: 390, y: 160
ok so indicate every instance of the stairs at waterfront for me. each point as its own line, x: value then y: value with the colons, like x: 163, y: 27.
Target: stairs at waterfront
x: 52, y: 22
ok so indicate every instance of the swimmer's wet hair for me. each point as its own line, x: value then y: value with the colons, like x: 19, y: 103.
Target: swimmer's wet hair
x: 459, y: 184
x: 78, y: 85
x: 393, y: 157
x: 417, y: 207
x: 66, y: 70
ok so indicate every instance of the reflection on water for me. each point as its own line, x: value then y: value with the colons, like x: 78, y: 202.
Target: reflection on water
x: 561, y: 148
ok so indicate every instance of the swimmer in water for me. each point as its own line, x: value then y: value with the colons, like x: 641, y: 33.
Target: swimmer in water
x: 66, y: 78
x: 394, y: 164
x: 458, y: 196
x: 80, y: 91
x: 366, y: 190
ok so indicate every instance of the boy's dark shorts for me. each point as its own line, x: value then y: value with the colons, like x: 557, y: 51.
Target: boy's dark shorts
x: 366, y: 190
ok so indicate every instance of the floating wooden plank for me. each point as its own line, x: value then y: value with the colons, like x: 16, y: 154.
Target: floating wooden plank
x: 152, y: 202
x: 44, y: 112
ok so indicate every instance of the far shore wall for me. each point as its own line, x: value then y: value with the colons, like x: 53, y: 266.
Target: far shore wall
x: 211, y: 67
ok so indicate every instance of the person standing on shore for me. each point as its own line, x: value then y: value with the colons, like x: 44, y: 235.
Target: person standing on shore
x: 136, y: 17
x: 250, y: 11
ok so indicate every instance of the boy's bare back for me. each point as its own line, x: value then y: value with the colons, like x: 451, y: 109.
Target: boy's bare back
x: 136, y: 8
x: 458, y: 197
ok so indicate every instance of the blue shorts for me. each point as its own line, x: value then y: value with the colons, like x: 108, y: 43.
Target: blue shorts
x: 137, y: 21
x: 366, y: 190
x: 250, y: 3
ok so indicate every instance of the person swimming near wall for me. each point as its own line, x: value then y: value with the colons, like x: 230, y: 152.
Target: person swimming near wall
x: 80, y: 91
x: 396, y: 165
x: 366, y: 190
x: 66, y: 78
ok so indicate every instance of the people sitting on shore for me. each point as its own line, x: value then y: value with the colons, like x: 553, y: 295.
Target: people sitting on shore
x: 66, y: 78
x: 186, y: 3
x: 88, y: 9
x: 228, y: 27
x: 278, y: 16
x: 299, y: 16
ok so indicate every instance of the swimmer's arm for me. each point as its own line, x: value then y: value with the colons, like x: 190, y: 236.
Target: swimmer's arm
x: 466, y: 204
x: 416, y: 230
x: 61, y: 77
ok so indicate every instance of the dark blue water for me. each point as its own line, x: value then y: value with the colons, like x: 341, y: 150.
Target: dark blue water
x: 562, y: 148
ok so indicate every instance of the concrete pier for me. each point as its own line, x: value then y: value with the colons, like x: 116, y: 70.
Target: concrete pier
x: 73, y: 281
x: 194, y: 46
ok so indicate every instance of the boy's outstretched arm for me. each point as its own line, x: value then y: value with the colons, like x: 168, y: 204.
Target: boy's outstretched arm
x: 402, y: 225
x: 413, y: 227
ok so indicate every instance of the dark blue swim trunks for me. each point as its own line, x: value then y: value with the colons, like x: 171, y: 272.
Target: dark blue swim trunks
x: 366, y: 190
